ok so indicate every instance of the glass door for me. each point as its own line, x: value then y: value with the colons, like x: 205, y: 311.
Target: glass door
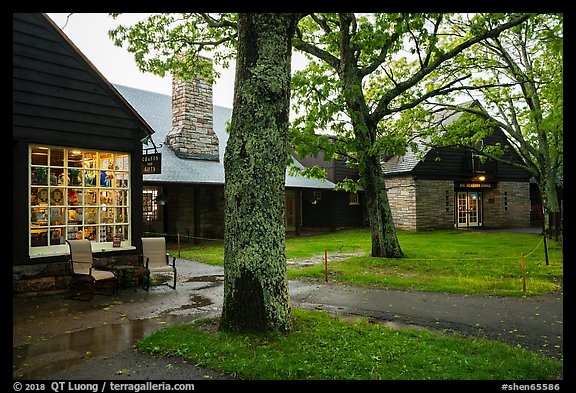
x: 468, y: 208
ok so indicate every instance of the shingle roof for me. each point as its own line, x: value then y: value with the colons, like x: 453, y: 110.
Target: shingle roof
x: 156, y: 109
x: 406, y: 163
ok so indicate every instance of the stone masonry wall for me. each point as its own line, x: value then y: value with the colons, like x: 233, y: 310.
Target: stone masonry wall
x: 402, y: 199
x: 421, y: 204
x: 192, y: 134
x: 434, y: 204
x: 45, y: 279
x: 508, y: 205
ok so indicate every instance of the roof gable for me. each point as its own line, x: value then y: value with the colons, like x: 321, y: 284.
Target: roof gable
x: 57, y: 89
x: 450, y: 161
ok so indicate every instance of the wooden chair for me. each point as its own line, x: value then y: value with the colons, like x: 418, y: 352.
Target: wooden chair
x: 157, y: 260
x: 83, y: 270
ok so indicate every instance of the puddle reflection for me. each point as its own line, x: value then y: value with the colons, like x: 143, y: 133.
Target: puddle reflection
x: 42, y: 359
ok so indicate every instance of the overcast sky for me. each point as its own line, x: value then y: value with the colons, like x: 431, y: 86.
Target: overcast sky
x: 89, y: 32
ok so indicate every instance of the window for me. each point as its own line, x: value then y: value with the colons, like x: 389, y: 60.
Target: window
x: 150, y: 204
x: 354, y: 199
x: 77, y: 194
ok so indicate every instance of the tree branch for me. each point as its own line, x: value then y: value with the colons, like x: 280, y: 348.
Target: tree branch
x: 382, y: 107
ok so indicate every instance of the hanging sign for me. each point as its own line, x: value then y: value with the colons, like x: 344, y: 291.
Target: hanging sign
x: 152, y: 163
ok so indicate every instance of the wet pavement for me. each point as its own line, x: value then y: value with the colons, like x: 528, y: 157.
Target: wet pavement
x: 59, y: 338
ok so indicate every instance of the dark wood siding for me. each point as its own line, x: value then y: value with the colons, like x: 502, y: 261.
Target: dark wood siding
x: 56, y: 93
x: 332, y: 211
x: 456, y: 163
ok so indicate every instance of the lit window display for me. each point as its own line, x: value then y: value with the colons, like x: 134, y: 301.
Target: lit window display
x: 78, y: 194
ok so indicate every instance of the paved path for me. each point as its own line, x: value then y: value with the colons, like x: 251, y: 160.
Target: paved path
x: 535, y: 323
x: 65, y: 331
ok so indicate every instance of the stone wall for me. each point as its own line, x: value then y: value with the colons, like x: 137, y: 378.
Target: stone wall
x: 508, y: 205
x: 402, y: 199
x: 45, y: 279
x: 41, y: 279
x: 421, y: 204
x: 434, y: 204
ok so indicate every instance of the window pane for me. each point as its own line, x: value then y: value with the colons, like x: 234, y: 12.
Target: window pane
x: 106, y: 198
x: 75, y: 215
x: 75, y: 197
x: 106, y: 161
x: 89, y: 233
x: 74, y: 159
x: 39, y: 237
x: 57, y: 196
x: 121, y: 180
x: 73, y: 232
x: 75, y: 177
x: 90, y: 178
x: 121, y: 198
x: 39, y: 216
x: 40, y: 176
x: 106, y: 215
x: 57, y: 216
x: 90, y: 160
x: 56, y: 236
x: 38, y: 196
x: 91, y: 198
x: 121, y: 162
x: 107, y: 233
x: 121, y: 215
x: 56, y: 157
x: 106, y: 178
x: 39, y: 155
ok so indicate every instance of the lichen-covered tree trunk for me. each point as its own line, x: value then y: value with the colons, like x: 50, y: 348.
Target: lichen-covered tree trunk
x: 384, y: 239
x: 255, y: 285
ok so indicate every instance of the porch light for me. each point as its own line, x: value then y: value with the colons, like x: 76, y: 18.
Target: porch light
x: 481, y: 178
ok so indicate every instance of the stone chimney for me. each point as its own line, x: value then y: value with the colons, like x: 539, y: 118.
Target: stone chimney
x: 192, y: 135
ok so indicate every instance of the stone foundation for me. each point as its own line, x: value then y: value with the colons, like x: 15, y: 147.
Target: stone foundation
x: 45, y: 279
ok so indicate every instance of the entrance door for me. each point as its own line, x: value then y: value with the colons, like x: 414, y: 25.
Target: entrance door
x: 290, y: 210
x: 468, y: 208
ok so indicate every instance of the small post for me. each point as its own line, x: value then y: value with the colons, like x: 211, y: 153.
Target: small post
x: 178, y: 244
x: 523, y: 274
x: 546, y: 249
x: 326, y: 264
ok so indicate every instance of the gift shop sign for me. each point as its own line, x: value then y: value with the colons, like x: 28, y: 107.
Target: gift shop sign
x: 152, y: 163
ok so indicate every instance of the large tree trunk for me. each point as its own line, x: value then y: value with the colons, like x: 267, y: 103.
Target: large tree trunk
x: 384, y: 239
x: 255, y: 285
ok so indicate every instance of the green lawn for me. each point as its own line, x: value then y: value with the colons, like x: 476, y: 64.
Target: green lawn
x: 454, y: 261
x: 321, y: 347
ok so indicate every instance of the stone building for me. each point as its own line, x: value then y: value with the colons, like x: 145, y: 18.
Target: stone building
x: 451, y: 188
